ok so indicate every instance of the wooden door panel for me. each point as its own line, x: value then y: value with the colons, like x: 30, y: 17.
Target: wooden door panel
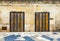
x: 47, y: 22
x: 36, y: 22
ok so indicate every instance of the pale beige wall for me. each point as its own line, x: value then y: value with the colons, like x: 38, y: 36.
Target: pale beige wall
x: 57, y: 20
x: 29, y: 10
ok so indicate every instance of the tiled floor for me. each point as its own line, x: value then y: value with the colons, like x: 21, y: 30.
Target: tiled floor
x: 32, y: 36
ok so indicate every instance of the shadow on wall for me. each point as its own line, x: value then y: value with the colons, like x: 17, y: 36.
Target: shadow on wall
x: 57, y: 23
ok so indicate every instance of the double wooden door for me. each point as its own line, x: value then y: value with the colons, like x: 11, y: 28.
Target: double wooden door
x: 42, y: 21
x: 17, y: 21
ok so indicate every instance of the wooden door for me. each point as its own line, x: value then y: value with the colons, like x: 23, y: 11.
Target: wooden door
x: 17, y: 21
x: 42, y: 21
